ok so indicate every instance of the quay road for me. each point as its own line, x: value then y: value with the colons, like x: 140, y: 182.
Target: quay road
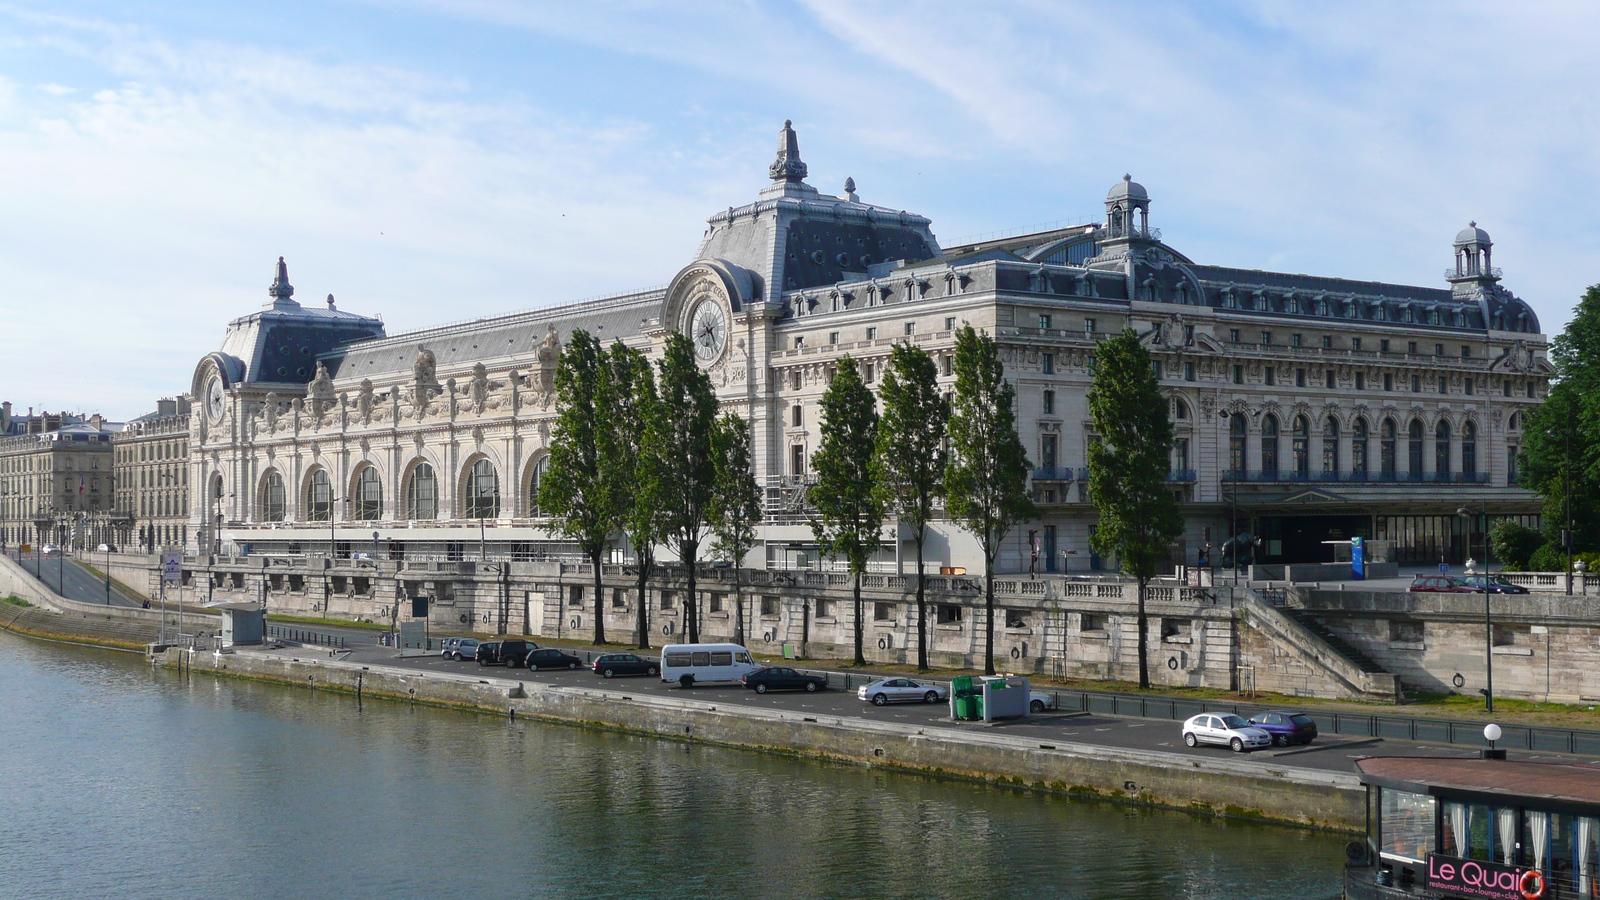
x: 72, y: 581
x: 1327, y: 752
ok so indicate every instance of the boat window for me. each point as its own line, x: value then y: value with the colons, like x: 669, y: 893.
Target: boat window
x: 701, y: 658
x: 1586, y: 853
x: 722, y: 658
x: 1407, y: 824
x: 677, y: 659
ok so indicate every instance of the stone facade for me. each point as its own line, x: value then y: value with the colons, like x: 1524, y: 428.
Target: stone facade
x: 152, y: 464
x: 56, y: 487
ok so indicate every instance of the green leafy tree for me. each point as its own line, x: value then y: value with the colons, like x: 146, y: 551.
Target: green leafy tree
x: 681, y: 429
x: 576, y: 491
x: 1513, y: 543
x: 1128, y: 466
x: 910, y: 460
x: 1561, y: 438
x: 633, y: 461
x: 986, y: 476
x: 849, y: 510
x: 736, y: 504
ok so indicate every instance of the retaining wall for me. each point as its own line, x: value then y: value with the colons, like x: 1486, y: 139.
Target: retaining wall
x: 1213, y: 786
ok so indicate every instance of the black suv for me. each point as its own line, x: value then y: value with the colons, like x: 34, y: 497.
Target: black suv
x: 505, y: 653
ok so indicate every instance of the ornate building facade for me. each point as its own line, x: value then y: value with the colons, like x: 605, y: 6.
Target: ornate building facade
x: 56, y: 487
x: 1307, y: 408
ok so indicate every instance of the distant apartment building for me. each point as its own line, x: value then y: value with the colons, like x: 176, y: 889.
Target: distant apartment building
x: 152, y: 466
x: 56, y: 479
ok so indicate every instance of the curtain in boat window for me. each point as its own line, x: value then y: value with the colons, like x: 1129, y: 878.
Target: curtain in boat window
x: 1507, y: 819
x: 1587, y: 829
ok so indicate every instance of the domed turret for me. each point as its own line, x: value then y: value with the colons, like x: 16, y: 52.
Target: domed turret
x: 1128, y: 211
x: 1472, y: 234
x: 1127, y: 189
x: 1472, y: 257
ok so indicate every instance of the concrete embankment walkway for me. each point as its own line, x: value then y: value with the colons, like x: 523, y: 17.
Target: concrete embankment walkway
x: 1211, y: 786
x: 54, y: 617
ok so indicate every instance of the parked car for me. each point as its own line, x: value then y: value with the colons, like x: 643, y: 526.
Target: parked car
x: 550, y: 658
x: 105, y: 548
x: 460, y: 648
x: 777, y: 678
x: 1039, y: 701
x: 1226, y: 729
x: 613, y: 664
x: 48, y: 549
x: 1286, y: 727
x: 510, y: 654
x: 902, y: 690
x: 1497, y: 584
x: 1442, y: 584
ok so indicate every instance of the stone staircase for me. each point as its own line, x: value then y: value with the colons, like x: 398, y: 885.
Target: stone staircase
x: 1344, y: 648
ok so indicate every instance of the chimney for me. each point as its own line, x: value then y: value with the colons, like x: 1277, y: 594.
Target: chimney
x: 166, y: 406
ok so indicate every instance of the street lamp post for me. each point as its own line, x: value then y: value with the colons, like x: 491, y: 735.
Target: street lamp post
x: 1488, y: 623
x: 327, y: 597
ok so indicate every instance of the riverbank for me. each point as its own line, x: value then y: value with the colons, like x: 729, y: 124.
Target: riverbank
x: 1223, y: 786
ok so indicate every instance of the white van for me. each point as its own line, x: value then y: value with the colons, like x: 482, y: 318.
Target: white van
x: 689, y: 664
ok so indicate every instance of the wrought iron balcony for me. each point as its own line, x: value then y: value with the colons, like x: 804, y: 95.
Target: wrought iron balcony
x: 1315, y: 476
x: 1182, y: 475
x: 1472, y: 272
x: 1052, y: 473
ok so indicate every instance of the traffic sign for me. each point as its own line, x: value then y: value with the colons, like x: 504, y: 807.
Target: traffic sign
x: 172, y: 565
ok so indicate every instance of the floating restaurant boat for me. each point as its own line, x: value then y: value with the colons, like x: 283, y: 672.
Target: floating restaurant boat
x: 1480, y: 829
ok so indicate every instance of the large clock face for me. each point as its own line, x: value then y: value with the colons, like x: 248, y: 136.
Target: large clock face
x: 708, y: 329
x: 214, y: 399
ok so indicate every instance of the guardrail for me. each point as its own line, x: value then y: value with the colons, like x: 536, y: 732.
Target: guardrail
x: 303, y: 636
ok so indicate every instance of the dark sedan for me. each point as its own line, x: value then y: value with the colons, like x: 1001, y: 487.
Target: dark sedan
x: 1497, y: 585
x: 781, y: 678
x: 613, y: 664
x: 1286, y: 727
x: 1440, y: 584
x: 548, y: 658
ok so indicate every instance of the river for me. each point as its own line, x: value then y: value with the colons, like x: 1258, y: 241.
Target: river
x: 123, y: 781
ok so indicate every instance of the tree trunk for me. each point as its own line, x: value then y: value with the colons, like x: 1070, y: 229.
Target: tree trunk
x: 645, y: 564
x: 738, y: 608
x: 922, y: 612
x: 599, y: 596
x: 1144, y: 641
x: 988, y: 610
x: 855, y: 590
x: 691, y: 625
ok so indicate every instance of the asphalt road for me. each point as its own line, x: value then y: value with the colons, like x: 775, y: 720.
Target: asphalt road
x: 76, y: 583
x: 1330, y: 752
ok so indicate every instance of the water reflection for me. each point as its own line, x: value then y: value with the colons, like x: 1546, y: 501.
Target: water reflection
x: 131, y: 782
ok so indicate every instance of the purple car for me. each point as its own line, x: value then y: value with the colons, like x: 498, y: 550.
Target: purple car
x: 1286, y: 727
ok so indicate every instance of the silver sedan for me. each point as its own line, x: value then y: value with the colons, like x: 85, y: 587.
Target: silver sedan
x: 898, y: 690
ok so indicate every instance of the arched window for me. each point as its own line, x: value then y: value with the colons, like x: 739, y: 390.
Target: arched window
x: 422, y: 493
x: 272, y: 498
x: 1269, y: 446
x: 1236, y: 445
x: 534, y: 478
x: 1414, y: 451
x: 483, y: 491
x: 1180, y: 409
x: 1386, y: 452
x: 1469, y: 451
x: 368, y: 506
x: 1302, y: 447
x: 1330, y: 445
x: 319, y: 497
x: 1358, y: 449
x: 1441, y: 450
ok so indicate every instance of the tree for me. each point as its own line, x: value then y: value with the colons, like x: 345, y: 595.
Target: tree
x: 910, y: 456
x: 633, y: 461
x: 735, y: 505
x: 1561, y: 438
x: 849, y: 510
x: 575, y: 489
x: 986, y: 476
x: 1128, y: 467
x: 681, y: 430
x: 1513, y: 543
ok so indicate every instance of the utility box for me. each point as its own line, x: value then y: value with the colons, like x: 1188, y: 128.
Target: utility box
x: 242, y: 623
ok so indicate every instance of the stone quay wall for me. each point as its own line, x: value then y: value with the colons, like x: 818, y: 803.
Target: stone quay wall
x: 1213, y: 786
x: 1544, y: 647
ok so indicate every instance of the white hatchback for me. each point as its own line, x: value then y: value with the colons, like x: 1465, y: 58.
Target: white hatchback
x: 1226, y: 729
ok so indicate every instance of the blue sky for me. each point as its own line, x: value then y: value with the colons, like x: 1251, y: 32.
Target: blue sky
x: 435, y: 160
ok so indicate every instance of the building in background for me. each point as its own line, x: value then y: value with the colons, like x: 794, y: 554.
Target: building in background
x: 56, y: 480
x: 152, y: 469
x: 1308, y: 409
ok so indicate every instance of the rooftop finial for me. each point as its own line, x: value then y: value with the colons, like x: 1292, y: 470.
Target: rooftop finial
x: 850, y: 190
x: 281, y: 289
x: 1473, y: 224
x: 788, y: 166
x: 330, y: 301
x: 1127, y: 177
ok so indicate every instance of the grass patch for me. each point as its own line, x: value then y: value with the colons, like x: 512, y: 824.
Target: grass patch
x: 14, y: 600
x: 336, y: 623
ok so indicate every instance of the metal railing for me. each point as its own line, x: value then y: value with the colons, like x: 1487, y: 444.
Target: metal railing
x: 304, y: 636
